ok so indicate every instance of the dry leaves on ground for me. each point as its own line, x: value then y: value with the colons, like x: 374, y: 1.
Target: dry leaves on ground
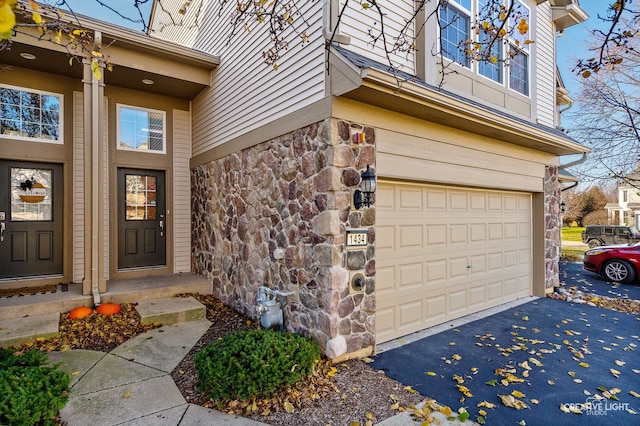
x: 572, y: 294
x: 342, y: 394
x: 95, y: 332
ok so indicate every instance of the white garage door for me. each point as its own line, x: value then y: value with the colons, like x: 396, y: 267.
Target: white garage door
x: 444, y: 252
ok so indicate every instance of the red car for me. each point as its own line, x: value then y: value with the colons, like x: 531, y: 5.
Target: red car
x: 615, y: 263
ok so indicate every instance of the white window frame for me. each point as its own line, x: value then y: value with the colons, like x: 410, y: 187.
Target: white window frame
x: 60, y: 96
x: 505, y: 47
x: 454, y: 4
x: 523, y: 49
x: 119, y: 146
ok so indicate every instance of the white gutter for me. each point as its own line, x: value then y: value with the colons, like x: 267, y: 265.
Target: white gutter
x: 95, y: 175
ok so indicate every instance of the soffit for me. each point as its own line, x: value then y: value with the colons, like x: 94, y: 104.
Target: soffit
x: 176, y: 71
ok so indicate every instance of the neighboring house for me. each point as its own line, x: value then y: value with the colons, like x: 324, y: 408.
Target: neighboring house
x: 627, y: 210
x: 465, y: 212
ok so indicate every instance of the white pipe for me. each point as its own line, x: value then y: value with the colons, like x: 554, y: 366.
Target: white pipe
x: 95, y: 178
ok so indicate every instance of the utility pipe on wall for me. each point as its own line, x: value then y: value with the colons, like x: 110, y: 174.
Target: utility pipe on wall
x: 95, y: 177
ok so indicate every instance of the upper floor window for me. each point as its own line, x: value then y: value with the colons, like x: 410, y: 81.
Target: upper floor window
x: 474, y: 34
x: 141, y: 129
x: 625, y: 196
x: 455, y: 21
x: 30, y: 115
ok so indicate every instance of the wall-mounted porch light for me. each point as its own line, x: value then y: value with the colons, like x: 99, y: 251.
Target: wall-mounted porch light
x: 563, y: 207
x: 362, y: 196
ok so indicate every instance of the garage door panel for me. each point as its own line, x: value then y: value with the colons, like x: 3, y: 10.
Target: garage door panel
x: 458, y: 266
x: 457, y: 201
x: 494, y: 291
x: 436, y: 235
x: 495, y: 261
x: 385, y: 239
x: 458, y: 234
x: 385, y: 277
x: 511, y: 230
x: 478, y: 264
x: 477, y: 295
x: 478, y: 232
x: 411, y: 314
x: 411, y: 276
x: 495, y: 202
x: 410, y: 236
x: 436, y: 199
x: 436, y: 270
x: 457, y: 302
x: 425, y: 245
x: 410, y: 199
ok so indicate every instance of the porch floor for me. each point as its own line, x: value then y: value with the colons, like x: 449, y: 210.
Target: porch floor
x: 131, y: 290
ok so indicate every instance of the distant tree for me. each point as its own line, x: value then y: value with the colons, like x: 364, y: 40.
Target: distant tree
x: 608, y: 120
x: 580, y: 205
x: 598, y: 217
x: 622, y: 26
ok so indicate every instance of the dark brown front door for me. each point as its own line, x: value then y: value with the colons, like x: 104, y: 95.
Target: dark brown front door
x: 31, y: 231
x: 141, y: 219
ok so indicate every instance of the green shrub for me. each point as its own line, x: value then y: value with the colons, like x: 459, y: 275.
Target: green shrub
x: 30, y: 392
x: 254, y: 362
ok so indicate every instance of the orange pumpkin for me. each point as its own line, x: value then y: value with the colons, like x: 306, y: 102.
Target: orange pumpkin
x: 80, y: 312
x: 109, y: 309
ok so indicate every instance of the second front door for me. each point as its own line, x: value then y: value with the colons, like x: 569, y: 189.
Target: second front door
x: 141, y: 218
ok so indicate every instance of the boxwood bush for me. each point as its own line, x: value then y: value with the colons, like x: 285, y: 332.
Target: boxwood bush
x: 31, y: 393
x: 254, y: 362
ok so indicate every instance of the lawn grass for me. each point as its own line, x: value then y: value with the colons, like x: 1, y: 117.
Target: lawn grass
x: 572, y: 233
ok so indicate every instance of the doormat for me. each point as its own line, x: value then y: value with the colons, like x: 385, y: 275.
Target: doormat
x: 25, y: 291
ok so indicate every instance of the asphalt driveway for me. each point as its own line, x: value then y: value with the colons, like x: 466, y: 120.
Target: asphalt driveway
x: 546, y: 353
x: 572, y: 275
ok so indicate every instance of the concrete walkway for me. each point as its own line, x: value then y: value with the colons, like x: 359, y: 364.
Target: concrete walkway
x: 132, y: 384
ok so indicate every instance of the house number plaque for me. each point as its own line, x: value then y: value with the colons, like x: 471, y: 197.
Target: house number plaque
x: 357, y: 238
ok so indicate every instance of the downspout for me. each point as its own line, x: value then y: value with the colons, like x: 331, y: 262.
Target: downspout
x: 95, y: 176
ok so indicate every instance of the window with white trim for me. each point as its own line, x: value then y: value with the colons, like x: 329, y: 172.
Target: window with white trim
x: 31, y: 115
x: 455, y: 21
x: 141, y: 129
x: 508, y: 61
x: 519, y: 53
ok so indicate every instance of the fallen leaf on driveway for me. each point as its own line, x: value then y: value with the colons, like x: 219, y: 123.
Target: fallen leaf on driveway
x: 510, y: 401
x: 486, y: 404
x: 615, y: 372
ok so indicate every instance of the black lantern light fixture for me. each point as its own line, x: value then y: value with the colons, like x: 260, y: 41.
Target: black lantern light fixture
x: 363, y: 196
x: 563, y: 207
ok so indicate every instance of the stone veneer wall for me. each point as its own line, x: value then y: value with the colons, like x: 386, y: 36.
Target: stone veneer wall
x: 275, y: 215
x: 553, y: 227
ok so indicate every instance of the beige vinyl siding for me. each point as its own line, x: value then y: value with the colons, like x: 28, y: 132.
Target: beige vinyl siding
x: 78, y: 188
x: 182, y: 29
x: 247, y: 94
x: 356, y: 23
x: 543, y: 73
x: 411, y: 148
x: 181, y: 191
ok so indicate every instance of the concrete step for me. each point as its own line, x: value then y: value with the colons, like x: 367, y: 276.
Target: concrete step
x: 27, y: 329
x: 171, y: 310
x: 131, y: 290
x: 168, y: 311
